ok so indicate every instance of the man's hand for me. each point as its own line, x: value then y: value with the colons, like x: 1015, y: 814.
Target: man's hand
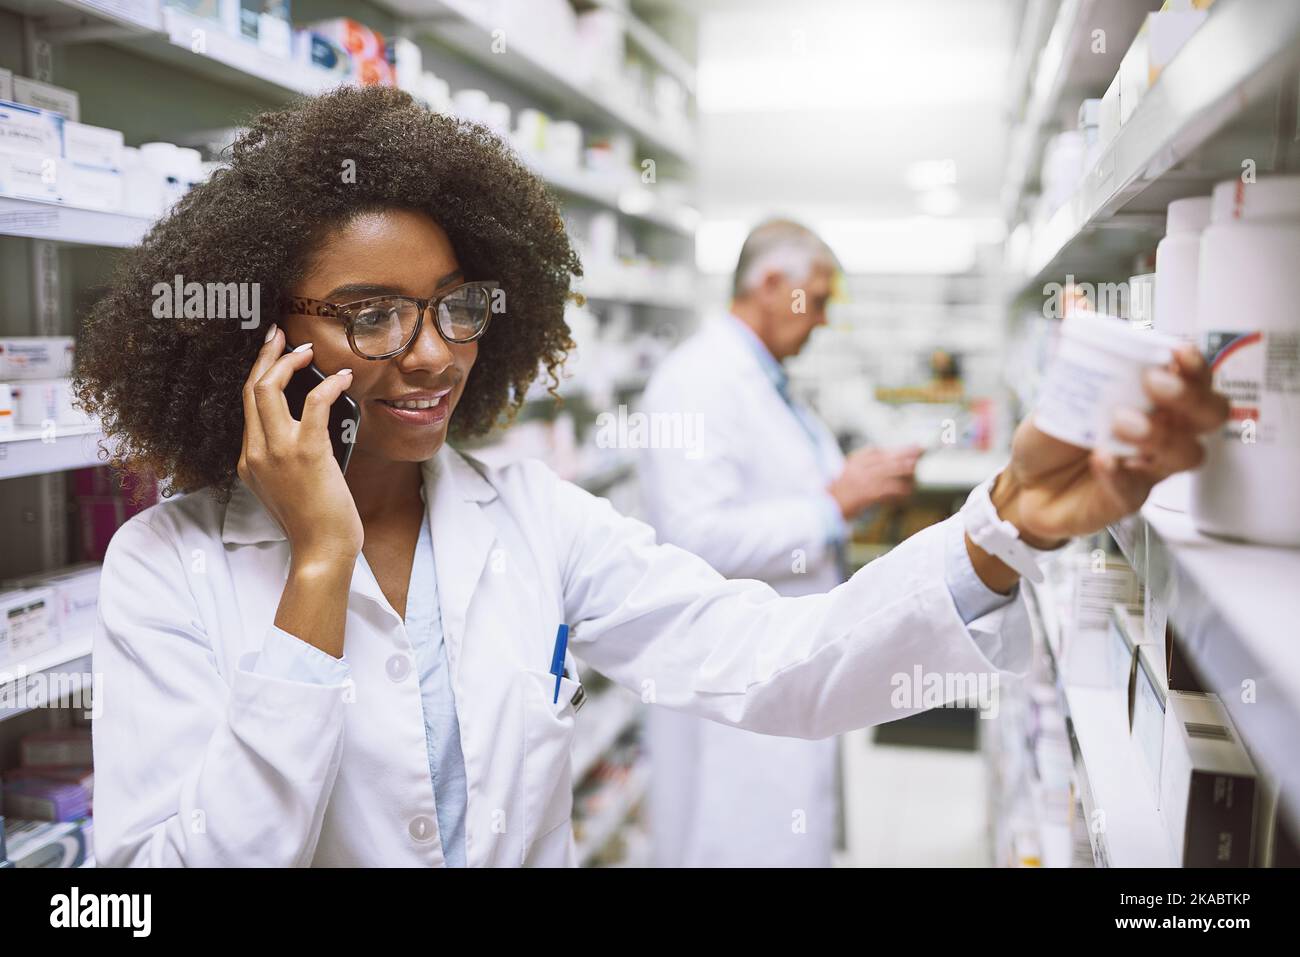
x: 1052, y: 491
x: 873, y: 477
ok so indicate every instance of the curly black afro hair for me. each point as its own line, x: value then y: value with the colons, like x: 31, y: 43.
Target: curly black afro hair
x: 168, y: 391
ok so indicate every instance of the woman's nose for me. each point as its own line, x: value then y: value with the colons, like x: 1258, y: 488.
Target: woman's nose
x: 429, y: 350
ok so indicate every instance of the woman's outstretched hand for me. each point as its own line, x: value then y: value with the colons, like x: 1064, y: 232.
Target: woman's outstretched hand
x: 1053, y: 490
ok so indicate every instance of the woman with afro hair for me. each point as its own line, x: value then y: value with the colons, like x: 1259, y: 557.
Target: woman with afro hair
x: 303, y: 665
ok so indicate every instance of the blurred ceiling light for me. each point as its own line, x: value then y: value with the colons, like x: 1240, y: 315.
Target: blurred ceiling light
x: 940, y: 201
x: 931, y: 174
x: 915, y: 245
x: 888, y: 79
x: 853, y: 55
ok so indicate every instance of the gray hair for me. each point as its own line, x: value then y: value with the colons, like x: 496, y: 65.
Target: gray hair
x: 780, y: 245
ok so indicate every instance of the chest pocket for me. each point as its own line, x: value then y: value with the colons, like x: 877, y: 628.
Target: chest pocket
x: 549, y: 728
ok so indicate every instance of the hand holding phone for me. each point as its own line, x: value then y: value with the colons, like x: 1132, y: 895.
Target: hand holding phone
x: 344, y: 417
x: 292, y: 464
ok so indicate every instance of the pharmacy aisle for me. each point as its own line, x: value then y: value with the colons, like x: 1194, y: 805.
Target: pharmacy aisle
x: 1161, y: 715
x: 647, y: 434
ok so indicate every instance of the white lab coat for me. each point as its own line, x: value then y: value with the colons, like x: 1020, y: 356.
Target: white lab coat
x: 200, y: 761
x: 750, y: 500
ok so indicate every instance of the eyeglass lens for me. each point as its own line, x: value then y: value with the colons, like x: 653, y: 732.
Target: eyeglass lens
x: 385, y: 326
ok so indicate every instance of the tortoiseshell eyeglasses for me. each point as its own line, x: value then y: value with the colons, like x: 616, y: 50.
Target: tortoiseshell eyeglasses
x: 385, y: 326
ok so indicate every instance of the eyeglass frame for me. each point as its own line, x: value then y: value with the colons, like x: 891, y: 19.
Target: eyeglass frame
x: 304, y: 306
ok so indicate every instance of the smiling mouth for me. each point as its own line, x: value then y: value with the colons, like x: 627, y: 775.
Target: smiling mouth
x: 420, y: 410
x: 419, y: 402
x: 415, y: 404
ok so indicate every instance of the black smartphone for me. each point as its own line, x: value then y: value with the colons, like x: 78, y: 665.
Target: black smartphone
x: 345, y: 414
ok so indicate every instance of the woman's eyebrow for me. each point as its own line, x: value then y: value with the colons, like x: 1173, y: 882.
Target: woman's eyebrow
x: 361, y: 290
x: 365, y: 290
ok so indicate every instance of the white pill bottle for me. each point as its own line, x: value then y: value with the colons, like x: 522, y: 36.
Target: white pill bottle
x: 1248, y: 321
x: 1177, y: 262
x: 1178, y: 258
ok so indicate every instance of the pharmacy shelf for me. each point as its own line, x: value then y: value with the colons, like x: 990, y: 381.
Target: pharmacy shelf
x: 1235, y: 60
x: 464, y: 26
x: 602, y: 828
x: 632, y: 200
x: 659, y: 50
x: 1233, y: 608
x: 1132, y: 833
x: 31, y: 452
x: 1069, y: 68
x: 89, y: 18
x: 67, y: 665
x: 168, y: 36
x: 226, y: 59
x: 37, y: 219
x: 608, y: 715
x: 612, y: 289
x: 1108, y: 772
x: 41, y: 219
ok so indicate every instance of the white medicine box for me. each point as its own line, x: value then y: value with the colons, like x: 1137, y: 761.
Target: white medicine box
x: 92, y: 146
x: 75, y: 596
x: 47, y: 96
x: 26, y: 624
x: 1208, y: 784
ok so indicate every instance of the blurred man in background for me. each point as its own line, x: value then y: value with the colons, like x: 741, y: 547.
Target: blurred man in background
x: 766, y: 494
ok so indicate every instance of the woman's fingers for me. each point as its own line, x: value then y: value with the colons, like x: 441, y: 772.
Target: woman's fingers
x: 316, y: 410
x: 1192, y: 364
x: 266, y: 356
x: 1164, y: 445
x: 268, y: 393
x: 1187, y: 393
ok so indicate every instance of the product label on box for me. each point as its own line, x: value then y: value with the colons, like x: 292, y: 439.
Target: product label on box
x: 36, y: 357
x: 27, y: 129
x: 92, y: 146
x: 47, y: 96
x: 27, y: 627
x: 1259, y: 372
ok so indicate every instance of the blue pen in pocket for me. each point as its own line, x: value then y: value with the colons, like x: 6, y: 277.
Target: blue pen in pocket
x: 557, y: 658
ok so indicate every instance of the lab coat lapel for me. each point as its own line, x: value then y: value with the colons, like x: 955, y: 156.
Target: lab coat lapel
x: 462, y: 538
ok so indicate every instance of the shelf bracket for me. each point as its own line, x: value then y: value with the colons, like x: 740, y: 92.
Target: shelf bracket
x: 38, y: 55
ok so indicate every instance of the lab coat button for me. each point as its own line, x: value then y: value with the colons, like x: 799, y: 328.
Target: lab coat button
x: 398, y: 667
x: 422, y: 828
